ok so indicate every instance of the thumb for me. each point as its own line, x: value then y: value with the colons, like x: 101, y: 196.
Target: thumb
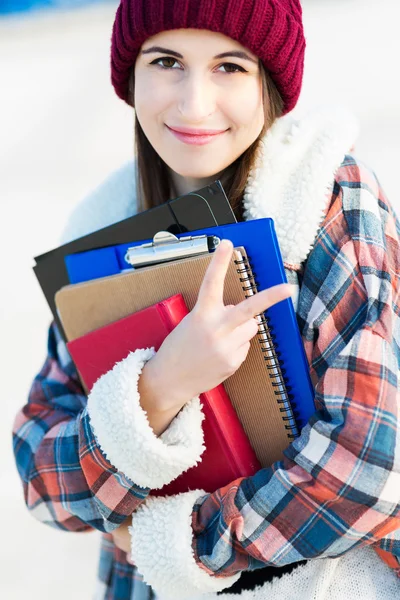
x: 211, y: 291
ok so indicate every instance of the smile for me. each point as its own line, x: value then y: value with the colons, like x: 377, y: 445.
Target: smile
x: 196, y: 136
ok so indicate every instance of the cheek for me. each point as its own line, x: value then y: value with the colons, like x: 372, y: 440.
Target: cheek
x: 151, y: 99
x: 245, y: 108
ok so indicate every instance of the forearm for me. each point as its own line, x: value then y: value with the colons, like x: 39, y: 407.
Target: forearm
x: 152, y: 394
x: 329, y: 495
x: 69, y: 480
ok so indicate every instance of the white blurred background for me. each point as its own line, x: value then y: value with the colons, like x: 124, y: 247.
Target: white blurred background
x: 62, y: 130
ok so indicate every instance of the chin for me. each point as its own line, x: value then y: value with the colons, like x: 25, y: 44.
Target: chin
x: 198, y: 172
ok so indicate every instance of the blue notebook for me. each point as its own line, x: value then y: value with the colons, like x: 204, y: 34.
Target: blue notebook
x: 259, y: 239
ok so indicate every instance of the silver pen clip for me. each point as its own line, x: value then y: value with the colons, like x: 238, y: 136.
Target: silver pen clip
x: 166, y: 246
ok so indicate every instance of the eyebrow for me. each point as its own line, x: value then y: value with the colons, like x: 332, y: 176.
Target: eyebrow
x: 232, y: 53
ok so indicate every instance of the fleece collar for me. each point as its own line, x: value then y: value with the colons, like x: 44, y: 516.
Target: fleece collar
x: 293, y: 177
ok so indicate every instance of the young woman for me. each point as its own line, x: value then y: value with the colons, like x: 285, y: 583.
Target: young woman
x: 212, y: 82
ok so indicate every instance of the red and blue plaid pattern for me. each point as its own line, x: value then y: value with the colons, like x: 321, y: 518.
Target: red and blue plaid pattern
x: 338, y: 486
x: 67, y: 480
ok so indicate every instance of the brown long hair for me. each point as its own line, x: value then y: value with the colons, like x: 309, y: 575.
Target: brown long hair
x: 152, y: 181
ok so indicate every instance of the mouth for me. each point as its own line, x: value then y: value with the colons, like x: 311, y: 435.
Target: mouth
x: 197, y: 137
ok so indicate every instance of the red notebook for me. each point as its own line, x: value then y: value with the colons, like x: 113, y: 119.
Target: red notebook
x: 228, y: 453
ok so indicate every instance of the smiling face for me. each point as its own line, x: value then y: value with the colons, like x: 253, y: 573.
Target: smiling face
x: 198, y: 98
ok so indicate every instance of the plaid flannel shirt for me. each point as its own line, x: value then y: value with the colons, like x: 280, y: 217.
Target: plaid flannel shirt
x: 337, y: 487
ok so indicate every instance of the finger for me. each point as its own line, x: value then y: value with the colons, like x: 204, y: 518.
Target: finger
x: 258, y: 303
x: 211, y: 292
x: 243, y: 333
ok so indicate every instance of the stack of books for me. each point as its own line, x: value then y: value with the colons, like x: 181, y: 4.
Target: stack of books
x: 123, y: 295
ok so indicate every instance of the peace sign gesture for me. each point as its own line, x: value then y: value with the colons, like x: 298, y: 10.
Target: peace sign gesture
x: 211, y: 293
x: 212, y: 341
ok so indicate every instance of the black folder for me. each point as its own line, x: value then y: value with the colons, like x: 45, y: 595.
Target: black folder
x: 202, y: 208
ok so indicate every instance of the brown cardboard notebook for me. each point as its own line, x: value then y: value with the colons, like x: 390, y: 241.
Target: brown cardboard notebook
x: 87, y: 306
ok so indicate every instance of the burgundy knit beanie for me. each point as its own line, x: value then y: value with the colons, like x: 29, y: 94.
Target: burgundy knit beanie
x: 271, y: 29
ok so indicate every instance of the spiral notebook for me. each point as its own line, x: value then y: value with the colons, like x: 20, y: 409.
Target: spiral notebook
x: 257, y: 389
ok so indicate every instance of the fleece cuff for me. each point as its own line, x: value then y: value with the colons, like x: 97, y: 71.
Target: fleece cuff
x: 161, y: 547
x: 122, y: 430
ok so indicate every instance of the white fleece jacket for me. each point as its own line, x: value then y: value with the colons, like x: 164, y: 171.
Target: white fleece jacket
x: 292, y: 183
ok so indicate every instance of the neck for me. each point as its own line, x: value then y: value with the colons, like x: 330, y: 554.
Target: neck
x: 183, y: 185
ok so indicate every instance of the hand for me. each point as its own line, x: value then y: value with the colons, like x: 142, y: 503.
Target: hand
x: 212, y: 341
x: 122, y: 538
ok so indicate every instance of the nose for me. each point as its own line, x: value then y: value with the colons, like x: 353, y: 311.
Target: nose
x: 197, y: 99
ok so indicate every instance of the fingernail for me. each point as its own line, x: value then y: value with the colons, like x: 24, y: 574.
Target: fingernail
x: 226, y: 243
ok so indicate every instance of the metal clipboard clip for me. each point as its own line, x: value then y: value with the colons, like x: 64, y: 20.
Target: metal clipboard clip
x: 166, y: 246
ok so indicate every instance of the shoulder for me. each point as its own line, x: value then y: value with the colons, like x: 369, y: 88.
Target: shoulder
x: 356, y: 254
x: 111, y: 201
x: 360, y: 187
x: 359, y: 210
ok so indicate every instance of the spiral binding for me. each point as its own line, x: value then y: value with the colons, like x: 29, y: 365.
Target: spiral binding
x: 272, y: 356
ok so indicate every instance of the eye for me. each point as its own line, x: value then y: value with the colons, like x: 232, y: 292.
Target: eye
x: 232, y: 68
x: 167, y: 62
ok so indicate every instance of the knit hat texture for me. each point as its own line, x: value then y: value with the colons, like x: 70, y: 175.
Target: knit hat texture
x: 271, y: 29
